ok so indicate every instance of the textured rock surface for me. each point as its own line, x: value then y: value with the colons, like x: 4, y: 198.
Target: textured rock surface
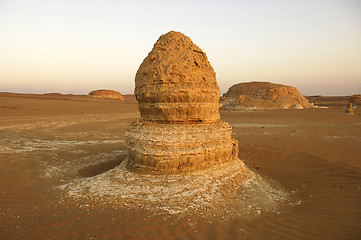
x: 178, y: 95
x: 263, y: 95
x: 176, y: 82
x: 176, y: 148
x: 356, y: 100
x: 349, y: 110
x: 106, y: 94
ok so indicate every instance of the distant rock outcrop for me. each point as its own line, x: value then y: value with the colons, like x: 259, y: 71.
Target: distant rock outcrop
x: 263, y: 95
x: 356, y: 99
x: 106, y: 94
x: 349, y: 110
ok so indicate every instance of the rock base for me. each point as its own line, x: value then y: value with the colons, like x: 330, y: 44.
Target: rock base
x: 226, y: 191
x: 177, y: 148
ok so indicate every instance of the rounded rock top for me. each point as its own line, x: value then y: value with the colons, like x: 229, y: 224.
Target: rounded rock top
x: 104, y: 93
x: 176, y: 82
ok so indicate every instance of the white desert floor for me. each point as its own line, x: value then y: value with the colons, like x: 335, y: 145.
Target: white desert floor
x: 63, y: 175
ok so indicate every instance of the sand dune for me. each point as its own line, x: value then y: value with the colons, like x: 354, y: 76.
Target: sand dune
x: 50, y: 141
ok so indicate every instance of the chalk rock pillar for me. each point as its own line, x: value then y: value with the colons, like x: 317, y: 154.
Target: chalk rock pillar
x: 178, y: 98
x: 349, y: 110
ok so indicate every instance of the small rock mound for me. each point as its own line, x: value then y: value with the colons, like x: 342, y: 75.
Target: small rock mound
x: 349, y: 110
x: 356, y: 99
x: 106, y: 94
x: 263, y: 95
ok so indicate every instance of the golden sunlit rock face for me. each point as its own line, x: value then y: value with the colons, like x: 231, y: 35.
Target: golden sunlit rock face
x: 102, y: 93
x: 180, y: 128
x: 263, y: 95
x: 176, y: 82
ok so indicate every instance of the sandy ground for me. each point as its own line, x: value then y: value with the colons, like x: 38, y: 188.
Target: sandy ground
x: 52, y: 144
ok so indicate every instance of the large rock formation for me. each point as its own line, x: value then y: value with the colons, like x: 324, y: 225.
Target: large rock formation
x: 263, y: 95
x: 180, y: 128
x: 106, y: 94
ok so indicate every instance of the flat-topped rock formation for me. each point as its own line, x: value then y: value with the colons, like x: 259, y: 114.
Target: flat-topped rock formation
x: 180, y: 128
x: 320, y: 100
x: 263, y: 95
x: 327, y: 101
x: 102, y: 93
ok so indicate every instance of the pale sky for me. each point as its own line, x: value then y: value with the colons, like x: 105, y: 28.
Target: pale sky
x: 77, y: 46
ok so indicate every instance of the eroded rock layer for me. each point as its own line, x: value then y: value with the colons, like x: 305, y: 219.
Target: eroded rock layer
x: 176, y: 82
x: 174, y: 148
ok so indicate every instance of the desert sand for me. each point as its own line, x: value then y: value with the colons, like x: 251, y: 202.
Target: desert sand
x: 51, y: 141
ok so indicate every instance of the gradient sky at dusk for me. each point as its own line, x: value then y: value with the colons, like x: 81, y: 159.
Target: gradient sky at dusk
x: 77, y: 46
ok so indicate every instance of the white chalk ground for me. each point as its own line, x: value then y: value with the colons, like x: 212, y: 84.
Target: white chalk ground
x: 227, y: 191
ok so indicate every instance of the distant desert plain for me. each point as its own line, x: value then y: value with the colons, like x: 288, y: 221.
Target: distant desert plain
x: 51, y: 142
